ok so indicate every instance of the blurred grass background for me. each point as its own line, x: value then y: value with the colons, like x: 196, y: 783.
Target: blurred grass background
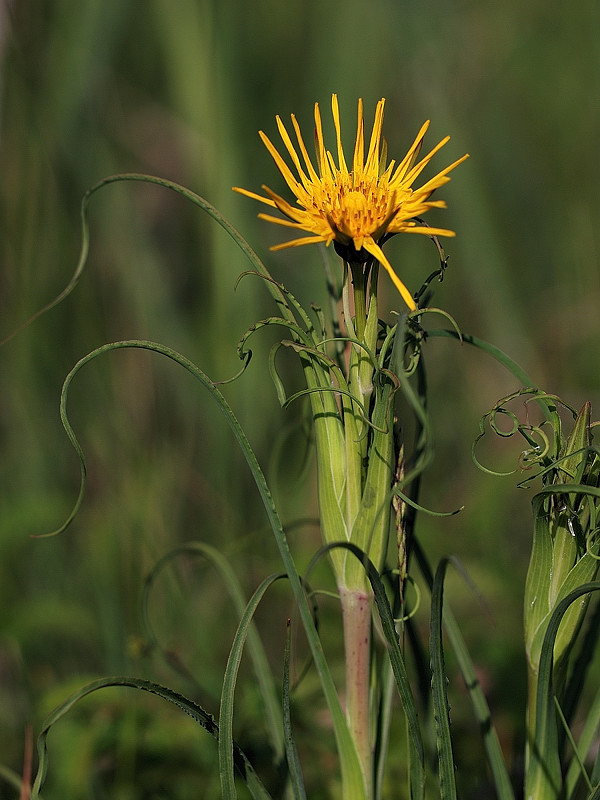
x: 179, y: 89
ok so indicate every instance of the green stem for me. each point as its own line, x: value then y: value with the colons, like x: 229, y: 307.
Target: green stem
x: 356, y: 609
x: 360, y: 299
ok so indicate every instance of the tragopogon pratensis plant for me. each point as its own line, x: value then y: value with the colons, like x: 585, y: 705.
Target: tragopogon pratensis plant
x: 356, y: 207
x: 368, y: 477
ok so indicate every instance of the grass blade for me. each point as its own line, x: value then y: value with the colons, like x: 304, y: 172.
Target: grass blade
x: 441, y: 710
x: 226, y: 743
x: 203, y: 718
x: 290, y: 745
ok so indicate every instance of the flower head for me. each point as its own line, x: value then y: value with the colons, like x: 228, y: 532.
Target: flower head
x: 355, y: 207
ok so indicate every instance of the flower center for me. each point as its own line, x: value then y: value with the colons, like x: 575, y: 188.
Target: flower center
x: 357, y: 211
x: 353, y: 213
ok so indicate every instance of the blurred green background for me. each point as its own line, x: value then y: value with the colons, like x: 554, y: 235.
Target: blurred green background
x: 179, y: 89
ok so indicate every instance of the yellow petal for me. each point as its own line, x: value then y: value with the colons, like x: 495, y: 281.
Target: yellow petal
x: 372, y: 163
x: 410, y: 158
x: 427, y: 186
x: 303, y: 240
x: 320, y: 145
x: 292, y: 151
x: 336, y: 123
x: 266, y: 200
x: 309, y: 165
x: 358, y: 159
x: 376, y: 251
x: 427, y: 230
x: 281, y: 165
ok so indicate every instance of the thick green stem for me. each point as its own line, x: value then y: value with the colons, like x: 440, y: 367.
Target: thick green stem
x: 356, y: 609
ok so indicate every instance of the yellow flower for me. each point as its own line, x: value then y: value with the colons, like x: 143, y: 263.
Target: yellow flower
x: 356, y: 208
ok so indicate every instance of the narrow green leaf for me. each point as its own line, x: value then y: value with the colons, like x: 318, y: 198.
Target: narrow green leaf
x: 226, y: 743
x: 290, y: 745
x: 577, y: 771
x: 496, y: 353
x: 441, y: 710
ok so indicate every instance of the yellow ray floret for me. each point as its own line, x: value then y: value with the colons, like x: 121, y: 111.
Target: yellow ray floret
x: 354, y: 207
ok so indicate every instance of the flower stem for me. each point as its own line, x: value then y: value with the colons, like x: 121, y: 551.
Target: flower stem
x: 356, y: 609
x: 360, y: 299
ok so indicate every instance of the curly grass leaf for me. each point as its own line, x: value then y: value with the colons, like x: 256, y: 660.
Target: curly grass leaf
x: 263, y: 323
x: 257, y: 653
x: 413, y: 504
x: 199, y: 201
x: 352, y: 781
x: 502, y: 358
x: 299, y: 309
x: 245, y: 355
x: 384, y: 724
x: 423, y: 455
x: 275, y: 377
x: 203, y: 718
x: 433, y: 310
x: 274, y: 288
x: 544, y: 452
